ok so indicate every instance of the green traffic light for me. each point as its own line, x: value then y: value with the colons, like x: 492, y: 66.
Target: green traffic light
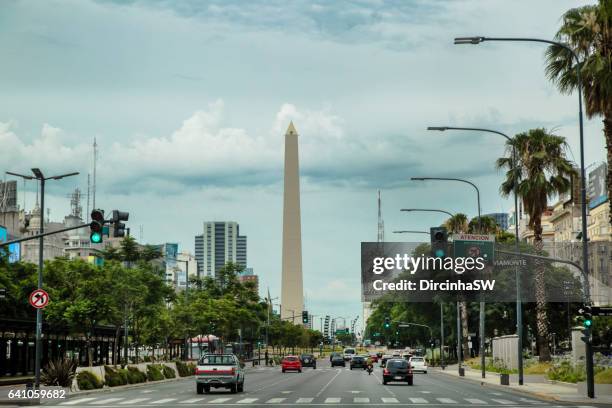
x: 95, y: 237
x: 588, y: 323
x: 439, y: 253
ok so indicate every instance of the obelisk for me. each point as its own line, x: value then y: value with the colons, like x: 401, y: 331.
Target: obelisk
x: 292, y: 295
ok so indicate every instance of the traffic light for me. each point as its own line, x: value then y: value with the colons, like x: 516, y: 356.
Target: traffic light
x: 118, y: 226
x: 387, y: 323
x: 305, y: 317
x: 439, y: 241
x: 587, y: 316
x: 96, y: 226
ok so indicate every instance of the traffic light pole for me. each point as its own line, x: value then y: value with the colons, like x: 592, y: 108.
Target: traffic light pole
x: 41, y: 235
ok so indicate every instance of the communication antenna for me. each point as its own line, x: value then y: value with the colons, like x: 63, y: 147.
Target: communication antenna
x: 88, y: 194
x: 95, y: 157
x: 381, y: 223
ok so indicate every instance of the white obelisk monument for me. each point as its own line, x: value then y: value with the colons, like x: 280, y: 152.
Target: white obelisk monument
x: 292, y: 295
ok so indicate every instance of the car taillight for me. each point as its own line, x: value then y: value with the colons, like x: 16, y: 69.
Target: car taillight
x: 233, y: 370
x: 386, y: 372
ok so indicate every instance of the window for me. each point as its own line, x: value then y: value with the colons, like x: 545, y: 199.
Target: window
x: 217, y: 360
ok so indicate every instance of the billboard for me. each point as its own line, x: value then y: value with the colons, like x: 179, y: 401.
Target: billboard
x: 598, y: 192
x: 14, y: 250
x: 8, y: 195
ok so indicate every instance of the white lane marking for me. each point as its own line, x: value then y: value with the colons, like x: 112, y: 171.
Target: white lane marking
x: 503, y: 402
x: 219, y: 400
x: 418, y: 400
x: 332, y: 400
x: 304, y: 400
x: 530, y: 401
x: 134, y: 401
x: 361, y: 400
x: 286, y: 392
x: 163, y: 401
x: 146, y: 391
x: 475, y: 401
x: 387, y: 400
x: 77, y: 401
x: 191, y: 401
x: 330, y: 381
x: 247, y: 401
x: 275, y: 400
x: 585, y: 406
x: 497, y: 393
x: 425, y: 392
x: 446, y: 400
x: 106, y: 401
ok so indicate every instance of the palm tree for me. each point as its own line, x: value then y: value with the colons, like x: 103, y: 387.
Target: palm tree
x: 588, y: 31
x: 542, y: 171
x: 458, y: 224
x: 486, y: 225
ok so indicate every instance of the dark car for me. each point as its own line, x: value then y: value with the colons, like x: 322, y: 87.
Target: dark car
x: 358, y: 362
x: 308, y: 360
x: 397, y: 369
x: 337, y: 359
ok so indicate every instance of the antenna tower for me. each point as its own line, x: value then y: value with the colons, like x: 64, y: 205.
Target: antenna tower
x: 381, y: 223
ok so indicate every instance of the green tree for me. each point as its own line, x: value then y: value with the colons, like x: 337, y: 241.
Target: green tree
x: 588, y: 31
x: 542, y: 171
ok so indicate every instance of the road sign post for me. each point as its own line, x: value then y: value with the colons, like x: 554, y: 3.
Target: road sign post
x: 39, y: 299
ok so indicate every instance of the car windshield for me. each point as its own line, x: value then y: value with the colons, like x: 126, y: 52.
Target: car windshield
x: 417, y: 359
x: 218, y: 360
x: 349, y: 351
x: 357, y: 358
x: 397, y: 364
x: 307, y: 356
x: 291, y: 358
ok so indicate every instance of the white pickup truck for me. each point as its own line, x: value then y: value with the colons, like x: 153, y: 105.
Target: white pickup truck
x: 219, y: 371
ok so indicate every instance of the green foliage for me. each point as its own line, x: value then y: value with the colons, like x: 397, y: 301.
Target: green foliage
x: 154, y: 372
x: 492, y: 365
x: 115, y: 377
x: 168, y: 371
x: 604, y: 377
x: 184, y: 370
x: 88, y: 381
x: 567, y: 373
x: 537, y: 368
x: 135, y: 376
x: 59, y: 372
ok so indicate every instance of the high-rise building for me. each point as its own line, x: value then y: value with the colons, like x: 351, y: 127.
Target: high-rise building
x: 219, y: 244
x: 501, y: 219
x: 292, y: 293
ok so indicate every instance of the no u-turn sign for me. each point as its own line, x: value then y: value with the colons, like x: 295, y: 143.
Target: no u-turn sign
x: 39, y: 299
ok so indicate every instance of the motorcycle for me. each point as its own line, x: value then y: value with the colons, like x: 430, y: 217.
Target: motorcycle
x: 370, y: 369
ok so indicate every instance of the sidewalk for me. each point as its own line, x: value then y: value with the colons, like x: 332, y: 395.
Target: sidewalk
x: 534, y: 385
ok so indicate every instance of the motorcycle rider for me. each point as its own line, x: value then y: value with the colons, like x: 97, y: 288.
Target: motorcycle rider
x: 370, y: 365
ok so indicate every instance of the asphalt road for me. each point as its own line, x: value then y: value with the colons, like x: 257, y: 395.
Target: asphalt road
x: 321, y: 387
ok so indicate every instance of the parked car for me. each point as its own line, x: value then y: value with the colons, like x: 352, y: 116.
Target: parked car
x: 219, y: 371
x: 358, y: 362
x: 418, y: 364
x: 308, y: 360
x: 397, y: 369
x: 349, y: 353
x: 291, y: 363
x: 337, y: 359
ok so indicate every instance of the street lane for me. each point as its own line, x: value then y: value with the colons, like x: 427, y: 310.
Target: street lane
x: 325, y: 386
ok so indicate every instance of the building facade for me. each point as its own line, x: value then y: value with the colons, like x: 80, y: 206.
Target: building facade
x: 219, y: 244
x: 500, y: 218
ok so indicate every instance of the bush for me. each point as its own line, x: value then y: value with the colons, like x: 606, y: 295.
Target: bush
x: 59, y: 372
x: 88, y: 381
x: 537, y: 368
x: 135, y: 376
x: 567, y: 373
x: 185, y: 370
x: 154, y: 372
x: 604, y: 377
x: 114, y: 377
x: 168, y: 371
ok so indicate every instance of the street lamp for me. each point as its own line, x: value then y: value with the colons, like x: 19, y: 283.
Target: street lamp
x: 411, y: 232
x: 428, y: 210
x: 482, y: 304
x: 519, y: 305
x: 38, y: 175
x: 583, y: 203
x: 186, y: 262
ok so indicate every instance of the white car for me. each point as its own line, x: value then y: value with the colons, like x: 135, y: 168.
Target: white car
x: 349, y: 353
x: 418, y: 364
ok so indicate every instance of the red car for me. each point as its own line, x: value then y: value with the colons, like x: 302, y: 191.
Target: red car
x: 291, y: 363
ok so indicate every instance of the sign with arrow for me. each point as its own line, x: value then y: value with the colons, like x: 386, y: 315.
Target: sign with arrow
x: 39, y: 299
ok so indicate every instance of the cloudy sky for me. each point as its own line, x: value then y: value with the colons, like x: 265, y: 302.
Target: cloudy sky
x: 189, y: 102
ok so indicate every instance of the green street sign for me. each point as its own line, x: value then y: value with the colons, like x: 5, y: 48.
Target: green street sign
x: 474, y: 246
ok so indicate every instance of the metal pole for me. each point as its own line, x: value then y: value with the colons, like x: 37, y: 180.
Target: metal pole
x: 517, y: 274
x: 459, y: 337
x: 125, y: 336
x: 39, y: 316
x: 441, y: 335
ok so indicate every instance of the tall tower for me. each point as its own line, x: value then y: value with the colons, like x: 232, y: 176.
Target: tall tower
x: 292, y: 295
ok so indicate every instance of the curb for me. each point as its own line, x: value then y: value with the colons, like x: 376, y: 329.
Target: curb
x: 129, y: 386
x: 543, y: 396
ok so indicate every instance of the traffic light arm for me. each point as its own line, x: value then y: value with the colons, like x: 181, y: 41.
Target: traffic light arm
x: 403, y: 324
x: 28, y: 238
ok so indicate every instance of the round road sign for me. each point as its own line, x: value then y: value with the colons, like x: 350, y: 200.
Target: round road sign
x: 39, y: 299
